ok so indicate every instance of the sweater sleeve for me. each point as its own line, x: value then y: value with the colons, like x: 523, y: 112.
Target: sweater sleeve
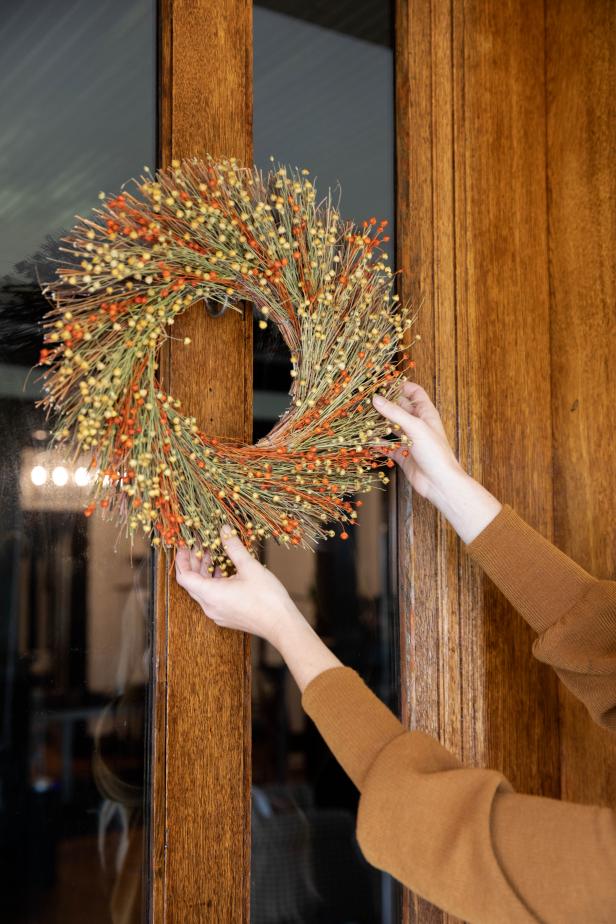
x: 460, y: 837
x: 573, y: 613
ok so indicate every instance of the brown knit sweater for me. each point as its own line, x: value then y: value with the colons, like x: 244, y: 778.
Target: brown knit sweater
x: 461, y: 837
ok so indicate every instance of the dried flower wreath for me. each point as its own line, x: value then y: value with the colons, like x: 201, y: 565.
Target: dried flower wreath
x: 223, y: 233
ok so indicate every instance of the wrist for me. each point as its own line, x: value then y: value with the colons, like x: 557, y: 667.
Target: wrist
x: 304, y: 652
x: 287, y: 620
x: 467, y: 505
x: 446, y: 484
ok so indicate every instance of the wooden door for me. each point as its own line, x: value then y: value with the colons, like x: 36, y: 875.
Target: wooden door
x: 505, y: 236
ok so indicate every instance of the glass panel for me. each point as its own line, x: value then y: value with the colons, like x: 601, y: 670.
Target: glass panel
x: 323, y: 99
x: 78, y: 111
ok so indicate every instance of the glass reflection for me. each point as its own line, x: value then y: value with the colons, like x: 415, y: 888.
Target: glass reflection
x: 323, y: 99
x: 77, y: 102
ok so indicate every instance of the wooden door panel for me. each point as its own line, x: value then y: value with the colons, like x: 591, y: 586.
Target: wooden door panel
x: 581, y: 121
x: 473, y: 249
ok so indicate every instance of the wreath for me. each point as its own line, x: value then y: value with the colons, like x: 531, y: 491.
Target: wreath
x: 224, y: 234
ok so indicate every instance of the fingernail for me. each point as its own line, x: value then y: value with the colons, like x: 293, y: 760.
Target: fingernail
x: 378, y: 399
x: 226, y: 531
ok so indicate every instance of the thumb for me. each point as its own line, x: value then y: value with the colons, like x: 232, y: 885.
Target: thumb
x: 392, y: 411
x: 235, y: 549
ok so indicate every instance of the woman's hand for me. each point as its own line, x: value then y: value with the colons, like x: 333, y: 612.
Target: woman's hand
x: 254, y: 601
x: 431, y: 466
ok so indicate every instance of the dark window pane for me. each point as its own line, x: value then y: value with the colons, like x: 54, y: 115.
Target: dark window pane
x: 323, y: 99
x: 78, y: 110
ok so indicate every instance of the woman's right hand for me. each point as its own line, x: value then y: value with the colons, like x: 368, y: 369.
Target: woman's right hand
x: 428, y: 462
x: 430, y: 465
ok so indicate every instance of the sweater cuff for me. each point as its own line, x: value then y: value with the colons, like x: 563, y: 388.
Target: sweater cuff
x: 355, y: 724
x: 540, y: 581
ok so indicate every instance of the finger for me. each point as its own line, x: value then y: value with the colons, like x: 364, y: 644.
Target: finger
x: 415, y: 390
x: 182, y: 560
x: 422, y: 405
x: 403, y: 458
x: 195, y: 561
x: 381, y: 442
x: 406, y: 404
x: 191, y: 581
x: 385, y: 446
x: 206, y: 561
x: 203, y: 605
x: 236, y: 550
x: 188, y: 579
x: 429, y: 417
x: 392, y: 411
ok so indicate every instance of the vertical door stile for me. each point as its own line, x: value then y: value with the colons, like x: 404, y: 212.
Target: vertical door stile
x: 470, y: 112
x: 200, y: 790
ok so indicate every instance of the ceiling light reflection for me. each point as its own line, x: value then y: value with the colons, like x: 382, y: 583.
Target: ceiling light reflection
x: 38, y: 475
x: 59, y: 476
x: 81, y: 477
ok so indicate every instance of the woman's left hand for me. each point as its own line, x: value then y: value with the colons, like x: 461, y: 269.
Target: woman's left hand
x: 252, y: 600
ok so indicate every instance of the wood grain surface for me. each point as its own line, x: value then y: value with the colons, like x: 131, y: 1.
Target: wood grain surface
x: 581, y: 68
x: 201, y: 770
x: 472, y: 243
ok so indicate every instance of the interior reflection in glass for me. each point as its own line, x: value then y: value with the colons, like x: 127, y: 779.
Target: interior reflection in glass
x: 323, y: 99
x: 74, y: 610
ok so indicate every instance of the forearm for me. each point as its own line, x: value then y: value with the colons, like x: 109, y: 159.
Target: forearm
x: 466, y: 505
x: 305, y: 654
